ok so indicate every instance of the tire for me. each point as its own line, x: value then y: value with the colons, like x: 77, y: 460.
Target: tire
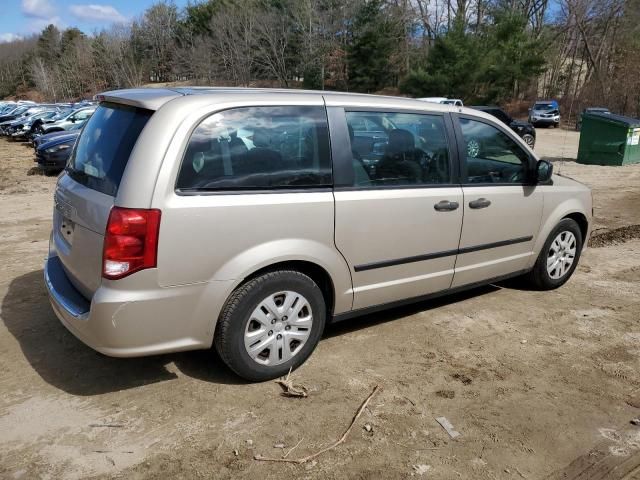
x: 529, y: 140
x: 543, y: 277
x: 556, y: 125
x: 246, y: 324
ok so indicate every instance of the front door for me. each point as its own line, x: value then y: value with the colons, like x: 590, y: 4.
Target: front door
x: 398, y: 211
x: 502, y: 210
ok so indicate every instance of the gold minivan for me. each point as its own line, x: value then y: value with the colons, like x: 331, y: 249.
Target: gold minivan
x: 248, y: 219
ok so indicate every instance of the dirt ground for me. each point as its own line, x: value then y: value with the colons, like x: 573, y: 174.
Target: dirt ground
x: 540, y: 385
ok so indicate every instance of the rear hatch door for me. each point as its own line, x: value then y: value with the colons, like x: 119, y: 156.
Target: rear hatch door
x: 87, y: 190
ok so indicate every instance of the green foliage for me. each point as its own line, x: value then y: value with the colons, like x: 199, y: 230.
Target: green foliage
x: 451, y: 69
x: 48, y: 46
x: 488, y: 66
x: 312, y: 78
x: 511, y: 57
x: 197, y: 16
x: 374, y: 39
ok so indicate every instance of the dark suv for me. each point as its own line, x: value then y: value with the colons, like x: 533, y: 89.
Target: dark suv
x: 524, y: 129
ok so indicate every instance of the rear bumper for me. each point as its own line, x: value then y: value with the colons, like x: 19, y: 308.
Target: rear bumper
x: 133, y: 322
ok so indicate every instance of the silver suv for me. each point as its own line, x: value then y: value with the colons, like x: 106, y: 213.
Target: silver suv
x: 248, y: 219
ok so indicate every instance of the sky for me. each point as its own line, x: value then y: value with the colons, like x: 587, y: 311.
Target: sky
x: 20, y: 18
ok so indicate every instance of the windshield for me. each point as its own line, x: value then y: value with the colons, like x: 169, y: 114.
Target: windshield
x: 61, y: 115
x: 543, y: 106
x: 103, y: 148
x: 17, y: 111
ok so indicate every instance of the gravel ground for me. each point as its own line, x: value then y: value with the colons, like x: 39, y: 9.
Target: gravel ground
x: 539, y: 384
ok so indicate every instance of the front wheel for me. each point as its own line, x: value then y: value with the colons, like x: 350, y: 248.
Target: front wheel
x: 559, y: 256
x: 529, y: 140
x: 271, y: 324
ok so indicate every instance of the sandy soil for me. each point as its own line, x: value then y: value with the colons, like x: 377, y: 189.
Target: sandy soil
x: 540, y: 385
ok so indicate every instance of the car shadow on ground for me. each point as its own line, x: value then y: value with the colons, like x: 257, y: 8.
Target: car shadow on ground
x: 66, y: 363
x: 383, y: 316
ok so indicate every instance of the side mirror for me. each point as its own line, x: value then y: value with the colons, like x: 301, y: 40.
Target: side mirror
x: 73, y: 119
x: 544, y: 170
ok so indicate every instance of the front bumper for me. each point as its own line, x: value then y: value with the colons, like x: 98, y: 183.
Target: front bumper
x: 133, y: 322
x: 55, y: 161
x: 545, y: 120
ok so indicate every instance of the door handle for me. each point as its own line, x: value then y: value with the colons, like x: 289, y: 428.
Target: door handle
x: 479, y: 203
x: 446, y: 206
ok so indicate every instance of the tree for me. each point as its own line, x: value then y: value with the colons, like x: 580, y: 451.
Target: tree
x: 452, y: 68
x: 374, y: 40
x: 48, y: 47
x: 490, y: 65
x: 155, y: 34
x: 512, y: 57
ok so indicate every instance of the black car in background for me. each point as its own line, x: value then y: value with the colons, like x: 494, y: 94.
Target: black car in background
x: 53, y: 155
x: 525, y: 130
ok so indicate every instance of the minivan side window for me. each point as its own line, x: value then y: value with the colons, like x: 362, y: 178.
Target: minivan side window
x: 491, y: 156
x: 258, y: 148
x: 398, y: 149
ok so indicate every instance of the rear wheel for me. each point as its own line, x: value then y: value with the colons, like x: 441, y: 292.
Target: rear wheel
x: 529, y: 140
x: 559, y: 256
x: 271, y: 324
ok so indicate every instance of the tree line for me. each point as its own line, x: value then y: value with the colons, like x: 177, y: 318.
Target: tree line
x: 583, y: 52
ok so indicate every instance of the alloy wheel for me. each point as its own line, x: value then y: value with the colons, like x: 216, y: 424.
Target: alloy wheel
x: 529, y: 140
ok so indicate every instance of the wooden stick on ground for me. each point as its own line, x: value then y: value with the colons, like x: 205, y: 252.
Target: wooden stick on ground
x: 330, y: 447
x: 292, y: 448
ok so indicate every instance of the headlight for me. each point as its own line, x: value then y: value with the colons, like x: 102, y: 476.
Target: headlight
x: 57, y: 148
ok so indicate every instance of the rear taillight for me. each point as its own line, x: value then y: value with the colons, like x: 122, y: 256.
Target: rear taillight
x: 130, y: 241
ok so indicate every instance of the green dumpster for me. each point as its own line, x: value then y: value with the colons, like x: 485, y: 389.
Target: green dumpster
x: 608, y: 139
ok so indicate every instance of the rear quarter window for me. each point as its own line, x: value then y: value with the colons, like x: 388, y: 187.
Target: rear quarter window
x: 258, y: 148
x: 105, y: 144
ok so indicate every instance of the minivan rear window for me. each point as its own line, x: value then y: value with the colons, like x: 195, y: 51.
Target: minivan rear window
x: 105, y: 144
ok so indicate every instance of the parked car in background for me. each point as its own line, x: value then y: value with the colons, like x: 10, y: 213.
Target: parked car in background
x: 5, y: 106
x: 432, y: 99
x: 54, y: 154
x: 36, y: 127
x: 79, y: 116
x: 545, y: 113
x: 590, y: 110
x: 163, y: 238
x: 14, y: 112
x: 525, y: 130
x: 29, y: 124
x: 38, y: 140
x: 17, y: 119
x: 21, y: 127
x: 444, y: 100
